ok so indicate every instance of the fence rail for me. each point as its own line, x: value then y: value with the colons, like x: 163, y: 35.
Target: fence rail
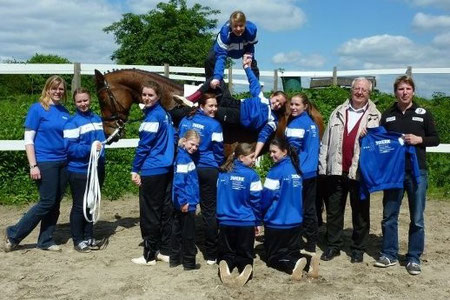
x: 19, y: 145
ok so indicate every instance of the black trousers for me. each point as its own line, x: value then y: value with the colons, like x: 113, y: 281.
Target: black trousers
x: 236, y: 246
x: 282, y: 248
x: 310, y: 226
x: 207, y: 178
x: 183, y: 248
x: 339, y: 187
x: 322, y: 194
x: 155, y: 207
x: 81, y: 229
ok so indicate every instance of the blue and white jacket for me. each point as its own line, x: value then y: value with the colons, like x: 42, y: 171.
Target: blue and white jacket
x: 49, y: 126
x: 80, y: 132
x: 229, y: 45
x: 382, y: 161
x: 156, y: 148
x: 282, y: 196
x: 302, y: 133
x: 239, y: 196
x: 210, y: 150
x: 185, y: 188
x: 255, y: 112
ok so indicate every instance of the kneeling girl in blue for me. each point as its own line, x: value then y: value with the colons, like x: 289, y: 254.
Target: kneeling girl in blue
x: 185, y: 197
x: 283, y: 212
x: 238, y: 213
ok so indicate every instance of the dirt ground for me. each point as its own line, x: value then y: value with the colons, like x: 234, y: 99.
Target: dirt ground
x: 30, y: 273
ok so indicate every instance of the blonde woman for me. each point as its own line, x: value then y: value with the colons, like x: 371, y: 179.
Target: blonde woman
x: 44, y: 145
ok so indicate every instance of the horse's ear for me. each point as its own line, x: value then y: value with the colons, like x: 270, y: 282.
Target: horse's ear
x: 99, y: 79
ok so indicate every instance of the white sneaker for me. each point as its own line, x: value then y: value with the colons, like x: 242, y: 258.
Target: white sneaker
x: 297, y: 273
x: 305, y: 252
x: 141, y: 261
x: 211, y: 262
x: 225, y: 275
x: 182, y: 100
x: 162, y: 257
x: 53, y: 248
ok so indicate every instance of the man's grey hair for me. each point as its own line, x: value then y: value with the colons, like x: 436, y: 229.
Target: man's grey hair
x: 362, y: 78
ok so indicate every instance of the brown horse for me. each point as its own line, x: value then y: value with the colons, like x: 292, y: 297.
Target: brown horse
x: 118, y: 90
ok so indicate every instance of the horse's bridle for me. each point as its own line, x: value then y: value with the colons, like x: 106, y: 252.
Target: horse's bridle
x: 117, y: 110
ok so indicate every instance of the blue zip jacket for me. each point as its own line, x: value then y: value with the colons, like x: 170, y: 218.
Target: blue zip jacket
x: 155, y: 151
x: 185, y: 181
x: 80, y: 132
x: 49, y: 126
x: 382, y: 161
x: 282, y: 196
x: 239, y: 196
x: 210, y: 150
x: 255, y: 112
x: 229, y: 45
x: 302, y: 133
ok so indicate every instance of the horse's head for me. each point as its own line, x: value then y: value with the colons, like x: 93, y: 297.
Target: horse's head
x: 115, y: 101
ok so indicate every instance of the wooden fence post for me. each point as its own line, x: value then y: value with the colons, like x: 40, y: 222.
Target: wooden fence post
x: 230, y: 79
x: 409, y: 71
x: 275, y: 80
x: 76, y: 79
x: 334, y: 76
x: 166, y: 70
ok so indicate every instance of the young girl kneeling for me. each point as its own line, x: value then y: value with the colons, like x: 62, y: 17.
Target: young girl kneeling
x: 238, y: 213
x: 283, y: 213
x: 185, y: 195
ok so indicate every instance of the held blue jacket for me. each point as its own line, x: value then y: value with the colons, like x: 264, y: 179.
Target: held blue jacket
x: 239, y: 196
x: 282, y: 196
x: 49, y: 126
x: 382, y: 161
x: 302, y: 133
x: 210, y: 150
x: 229, y: 45
x: 255, y: 111
x: 80, y: 132
x: 155, y: 151
x: 185, y: 181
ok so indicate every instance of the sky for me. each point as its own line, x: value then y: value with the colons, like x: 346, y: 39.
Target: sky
x: 294, y: 35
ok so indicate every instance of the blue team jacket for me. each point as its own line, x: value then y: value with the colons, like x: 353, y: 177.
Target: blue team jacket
x: 155, y: 151
x: 239, y: 196
x: 210, y: 150
x: 229, y: 45
x: 185, y: 181
x: 80, y: 132
x: 49, y: 126
x: 382, y: 161
x: 282, y: 196
x: 255, y: 112
x: 302, y: 133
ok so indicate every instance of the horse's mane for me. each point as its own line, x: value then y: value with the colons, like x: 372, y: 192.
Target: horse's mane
x: 168, y: 83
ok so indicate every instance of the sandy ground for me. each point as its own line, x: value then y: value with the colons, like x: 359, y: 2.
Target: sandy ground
x: 30, y: 273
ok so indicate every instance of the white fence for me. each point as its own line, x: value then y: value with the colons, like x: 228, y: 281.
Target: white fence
x: 197, y: 75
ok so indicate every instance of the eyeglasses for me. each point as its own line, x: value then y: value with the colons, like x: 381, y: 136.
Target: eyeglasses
x: 361, y: 90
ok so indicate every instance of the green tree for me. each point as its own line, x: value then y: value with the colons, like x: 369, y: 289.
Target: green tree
x: 172, y: 33
x: 36, y: 81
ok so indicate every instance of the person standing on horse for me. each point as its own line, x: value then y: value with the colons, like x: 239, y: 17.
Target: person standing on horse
x: 80, y: 132
x: 208, y: 158
x: 46, y: 154
x: 236, y: 38
x: 152, y: 172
